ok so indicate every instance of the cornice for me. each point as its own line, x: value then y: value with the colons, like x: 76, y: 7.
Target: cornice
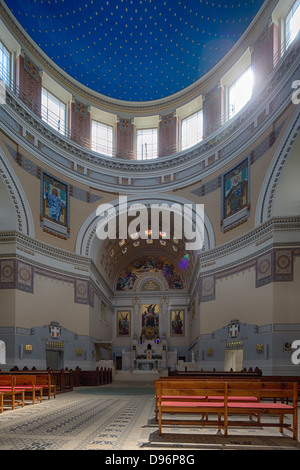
x: 184, y: 168
x: 248, y: 246
x: 48, y: 257
x: 271, y: 234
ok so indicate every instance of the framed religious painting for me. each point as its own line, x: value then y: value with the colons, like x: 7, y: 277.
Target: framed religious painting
x: 55, y: 210
x: 123, y: 323
x: 150, y: 321
x: 177, y: 322
x: 236, y: 195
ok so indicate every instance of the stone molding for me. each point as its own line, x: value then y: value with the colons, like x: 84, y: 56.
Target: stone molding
x: 179, y: 170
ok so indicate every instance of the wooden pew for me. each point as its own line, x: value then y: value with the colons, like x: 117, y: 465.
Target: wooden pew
x: 44, y: 380
x: 28, y: 383
x: 210, y: 374
x: 194, y: 397
x: 225, y: 399
x: 10, y: 395
x: 184, y: 405
x: 266, y: 392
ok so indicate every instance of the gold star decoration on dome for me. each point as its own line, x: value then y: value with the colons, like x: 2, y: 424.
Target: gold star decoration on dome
x: 135, y: 50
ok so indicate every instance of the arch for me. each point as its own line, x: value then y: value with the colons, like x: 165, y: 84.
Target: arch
x: 160, y: 268
x: 156, y: 278
x: 88, y: 243
x: 22, y: 216
x: 265, y: 203
x: 287, y: 195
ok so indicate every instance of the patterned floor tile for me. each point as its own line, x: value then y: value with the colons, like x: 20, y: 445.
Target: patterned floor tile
x: 104, y: 418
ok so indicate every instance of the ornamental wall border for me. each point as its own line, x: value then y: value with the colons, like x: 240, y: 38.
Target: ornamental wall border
x: 259, y: 236
x: 44, y: 256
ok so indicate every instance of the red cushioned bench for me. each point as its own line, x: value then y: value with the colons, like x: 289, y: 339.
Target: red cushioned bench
x: 189, y: 397
x: 197, y: 384
x: 28, y: 384
x: 267, y: 393
x: 224, y: 399
x: 9, y: 394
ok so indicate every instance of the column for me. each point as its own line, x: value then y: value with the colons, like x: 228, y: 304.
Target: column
x: 168, y: 135
x: 80, y: 123
x: 264, y: 54
x: 212, y: 110
x: 28, y: 83
x: 125, y: 138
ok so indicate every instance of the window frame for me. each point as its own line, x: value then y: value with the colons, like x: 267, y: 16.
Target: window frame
x: 186, y: 120
x: 154, y: 155
x: 229, y: 113
x: 291, y: 12
x: 62, y: 106
x: 107, y: 150
x: 3, y: 51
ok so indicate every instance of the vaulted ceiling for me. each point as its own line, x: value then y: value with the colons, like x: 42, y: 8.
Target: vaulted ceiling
x: 116, y: 253
x: 135, y: 50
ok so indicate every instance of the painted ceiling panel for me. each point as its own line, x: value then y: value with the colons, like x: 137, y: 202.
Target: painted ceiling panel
x: 135, y: 50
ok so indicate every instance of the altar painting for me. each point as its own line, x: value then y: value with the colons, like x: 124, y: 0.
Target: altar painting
x: 177, y: 322
x: 236, y: 189
x: 145, y: 264
x: 123, y: 327
x: 150, y: 321
x: 55, y: 202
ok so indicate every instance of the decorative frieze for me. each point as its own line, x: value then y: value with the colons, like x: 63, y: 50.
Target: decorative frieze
x: 276, y: 265
x: 15, y: 274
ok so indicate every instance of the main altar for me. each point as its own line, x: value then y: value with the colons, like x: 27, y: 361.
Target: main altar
x: 149, y: 353
x: 153, y: 328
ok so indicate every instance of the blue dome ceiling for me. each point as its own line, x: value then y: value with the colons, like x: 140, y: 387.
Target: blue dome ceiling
x: 135, y: 50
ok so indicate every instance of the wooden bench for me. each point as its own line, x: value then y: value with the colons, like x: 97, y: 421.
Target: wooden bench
x: 28, y: 384
x: 211, y: 374
x: 189, y: 398
x: 230, y: 376
x: 62, y: 379
x: 44, y: 380
x: 220, y: 398
x: 195, y: 397
x: 9, y: 394
x: 267, y: 393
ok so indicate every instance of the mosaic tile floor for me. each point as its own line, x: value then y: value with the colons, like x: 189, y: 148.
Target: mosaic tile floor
x: 118, y: 417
